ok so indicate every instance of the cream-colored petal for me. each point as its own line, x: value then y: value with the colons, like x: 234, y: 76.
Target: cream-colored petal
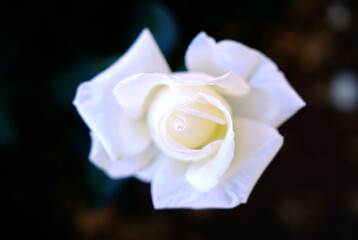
x: 228, y: 83
x: 168, y: 100
x: 123, y: 167
x: 206, y: 173
x: 136, y: 92
x: 100, y: 109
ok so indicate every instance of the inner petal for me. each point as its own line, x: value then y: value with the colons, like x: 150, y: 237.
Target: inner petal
x: 190, y: 130
x: 204, y: 110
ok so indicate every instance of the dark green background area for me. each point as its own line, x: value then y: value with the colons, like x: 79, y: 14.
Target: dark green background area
x: 49, y: 189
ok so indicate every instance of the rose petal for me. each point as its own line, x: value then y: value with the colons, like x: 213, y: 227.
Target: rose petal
x: 272, y: 103
x: 99, y: 108
x: 120, y: 135
x: 144, y: 84
x: 168, y: 99
x: 258, y: 105
x: 207, y: 56
x: 204, y: 111
x: 256, y: 144
x: 148, y: 172
x: 229, y: 83
x: 205, y: 174
x: 271, y: 98
x: 133, y: 93
x: 169, y: 189
x: 122, y: 167
x: 269, y: 79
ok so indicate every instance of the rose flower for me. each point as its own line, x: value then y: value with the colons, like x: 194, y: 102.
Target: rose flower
x: 201, y: 137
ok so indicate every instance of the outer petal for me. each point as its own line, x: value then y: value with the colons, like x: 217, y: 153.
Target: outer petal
x: 136, y: 104
x: 205, y: 55
x: 148, y: 172
x: 256, y: 145
x: 123, y: 167
x: 100, y: 109
x: 269, y: 79
x: 258, y: 105
x: 169, y: 189
x: 271, y: 98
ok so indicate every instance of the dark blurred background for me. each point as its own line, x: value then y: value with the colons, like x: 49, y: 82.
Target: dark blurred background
x: 49, y: 190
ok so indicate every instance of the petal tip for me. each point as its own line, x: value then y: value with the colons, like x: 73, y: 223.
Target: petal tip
x: 302, y: 103
x: 146, y: 33
x: 202, y: 34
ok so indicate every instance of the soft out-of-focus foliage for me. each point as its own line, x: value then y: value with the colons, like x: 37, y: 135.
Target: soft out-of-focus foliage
x: 51, y: 191
x: 160, y: 20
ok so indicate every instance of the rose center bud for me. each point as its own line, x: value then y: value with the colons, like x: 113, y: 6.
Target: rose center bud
x: 196, y: 124
x: 190, y: 130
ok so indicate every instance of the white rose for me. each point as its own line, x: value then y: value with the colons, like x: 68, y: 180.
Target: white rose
x: 201, y: 137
